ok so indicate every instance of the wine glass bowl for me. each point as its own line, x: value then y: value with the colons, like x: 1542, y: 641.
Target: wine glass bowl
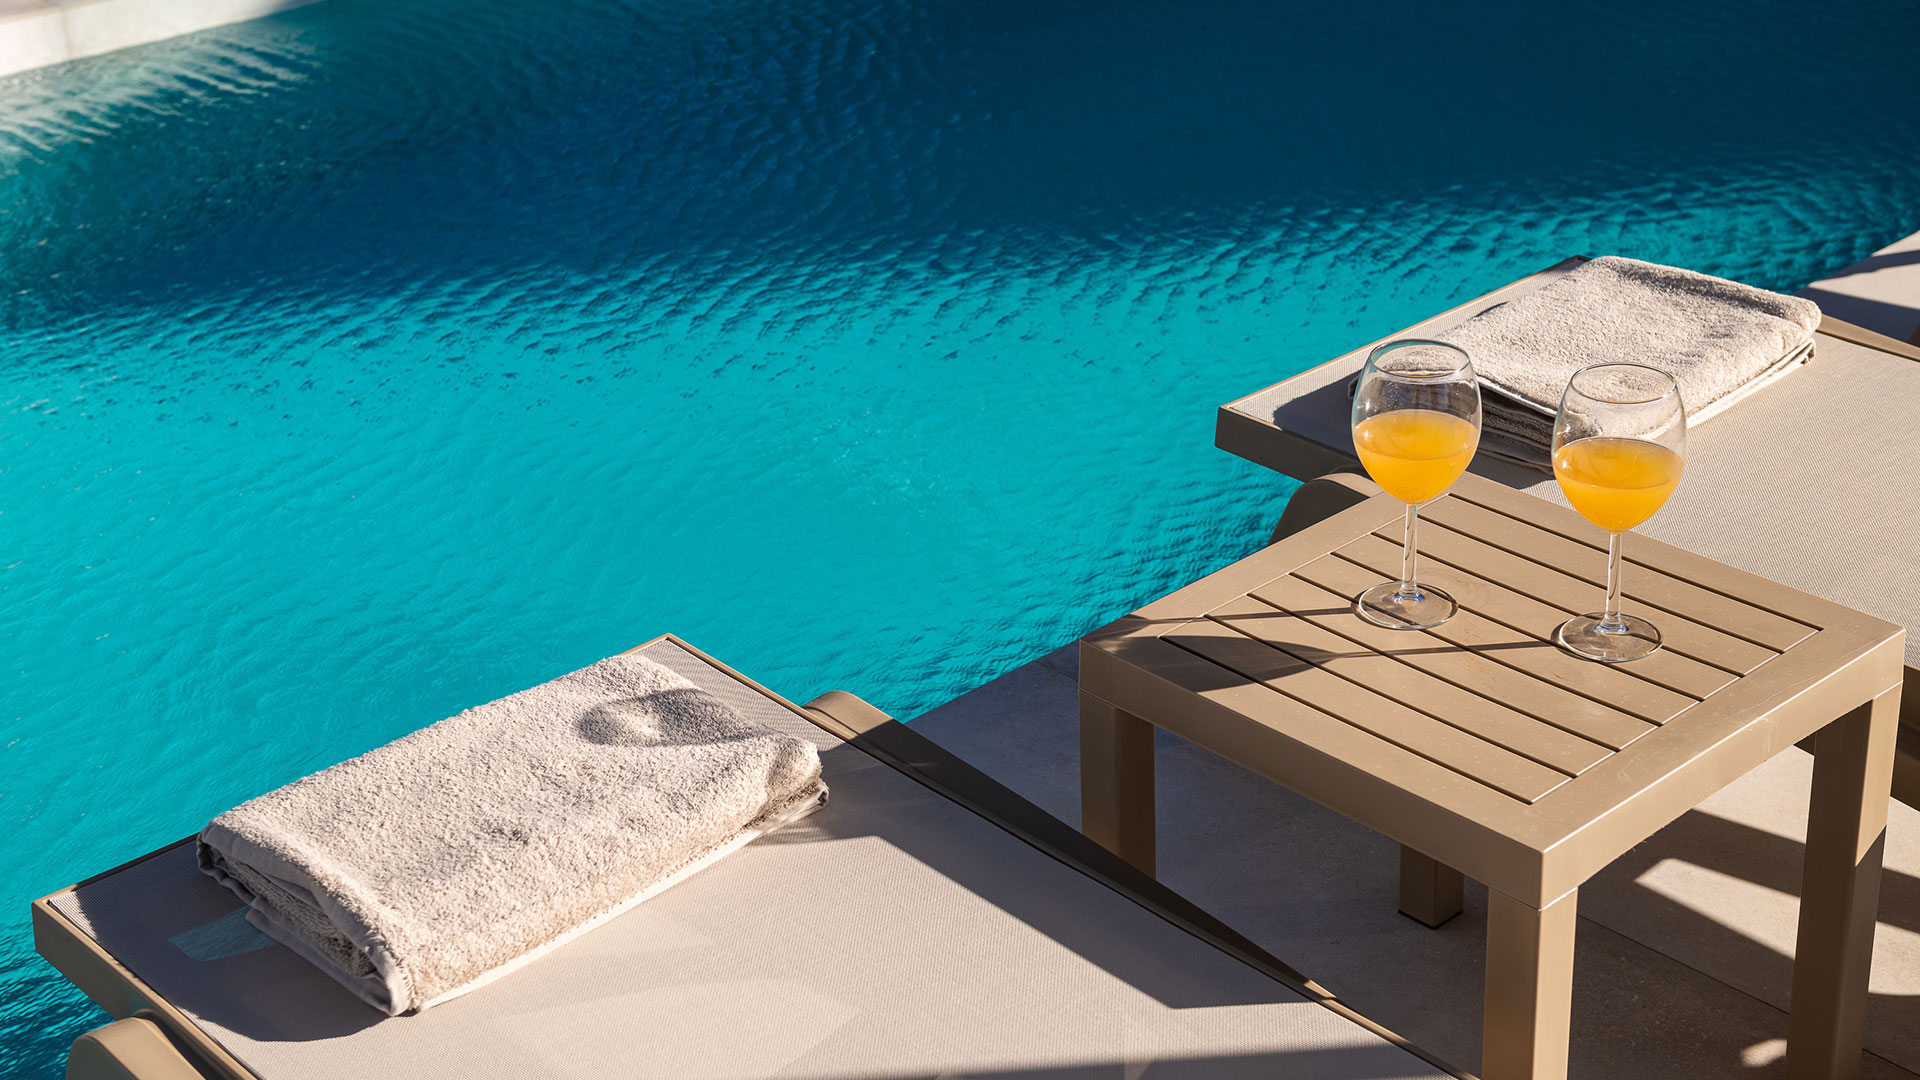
x: 1416, y: 425
x: 1619, y: 449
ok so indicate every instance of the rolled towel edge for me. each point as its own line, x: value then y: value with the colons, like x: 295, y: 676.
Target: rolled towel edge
x: 316, y: 882
x: 221, y: 852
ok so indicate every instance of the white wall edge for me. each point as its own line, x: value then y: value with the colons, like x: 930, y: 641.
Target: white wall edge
x: 41, y: 33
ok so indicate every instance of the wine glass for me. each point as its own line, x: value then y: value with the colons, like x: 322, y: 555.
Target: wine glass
x: 1619, y: 447
x: 1416, y: 424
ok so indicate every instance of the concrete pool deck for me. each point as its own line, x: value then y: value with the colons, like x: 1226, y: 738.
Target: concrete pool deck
x: 1880, y: 292
x: 40, y: 33
x: 1685, y: 945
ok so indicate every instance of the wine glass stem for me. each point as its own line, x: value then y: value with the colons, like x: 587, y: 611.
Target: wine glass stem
x: 1409, y: 590
x: 1612, y: 621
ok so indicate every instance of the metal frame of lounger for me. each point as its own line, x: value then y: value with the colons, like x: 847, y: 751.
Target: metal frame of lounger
x: 1294, y: 454
x: 129, y: 1050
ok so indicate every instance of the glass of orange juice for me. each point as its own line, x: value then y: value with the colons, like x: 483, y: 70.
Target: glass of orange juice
x: 1619, y: 447
x: 1416, y: 424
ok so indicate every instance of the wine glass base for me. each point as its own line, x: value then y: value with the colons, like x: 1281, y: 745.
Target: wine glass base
x: 1633, y: 638
x: 1385, y: 605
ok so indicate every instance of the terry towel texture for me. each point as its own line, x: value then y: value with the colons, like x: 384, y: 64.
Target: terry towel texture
x: 444, y: 859
x: 1719, y: 339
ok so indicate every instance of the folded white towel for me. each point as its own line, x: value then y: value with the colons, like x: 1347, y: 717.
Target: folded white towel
x: 420, y: 870
x: 1719, y: 339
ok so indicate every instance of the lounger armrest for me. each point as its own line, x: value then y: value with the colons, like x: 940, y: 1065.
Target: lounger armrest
x: 848, y: 711
x: 130, y: 1049
x: 1322, y: 497
x: 1872, y: 339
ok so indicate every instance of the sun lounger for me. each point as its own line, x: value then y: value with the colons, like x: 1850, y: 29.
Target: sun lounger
x: 1810, y: 481
x: 928, y: 922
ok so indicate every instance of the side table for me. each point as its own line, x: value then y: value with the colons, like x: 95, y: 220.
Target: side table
x: 1485, y: 750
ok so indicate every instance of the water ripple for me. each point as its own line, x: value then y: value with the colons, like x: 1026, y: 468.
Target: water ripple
x: 374, y: 360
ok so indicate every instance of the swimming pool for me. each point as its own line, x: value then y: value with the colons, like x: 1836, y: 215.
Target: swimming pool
x: 372, y: 361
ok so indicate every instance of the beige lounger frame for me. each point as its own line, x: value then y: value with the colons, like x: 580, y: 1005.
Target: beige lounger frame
x: 152, y: 1040
x: 1304, y: 458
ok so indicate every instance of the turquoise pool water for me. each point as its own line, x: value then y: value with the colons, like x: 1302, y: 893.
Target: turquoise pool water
x: 375, y: 360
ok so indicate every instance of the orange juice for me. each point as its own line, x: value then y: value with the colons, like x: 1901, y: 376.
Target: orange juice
x: 1415, y: 455
x: 1617, y: 483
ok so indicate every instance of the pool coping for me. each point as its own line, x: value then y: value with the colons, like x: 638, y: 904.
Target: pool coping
x: 41, y: 33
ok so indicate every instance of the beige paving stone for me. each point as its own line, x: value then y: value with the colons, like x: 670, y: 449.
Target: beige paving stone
x: 1880, y: 292
x: 1680, y: 968
x: 1719, y: 890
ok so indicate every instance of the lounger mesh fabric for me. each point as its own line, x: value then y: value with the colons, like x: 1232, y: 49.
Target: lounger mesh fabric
x: 1809, y: 481
x: 892, y: 934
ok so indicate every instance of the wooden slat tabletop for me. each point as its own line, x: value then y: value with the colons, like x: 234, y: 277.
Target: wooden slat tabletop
x: 1488, y: 725
x: 1587, y: 560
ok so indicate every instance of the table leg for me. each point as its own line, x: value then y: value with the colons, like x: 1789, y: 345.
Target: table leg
x: 1430, y: 891
x: 1840, y: 891
x: 1116, y: 781
x: 1529, y: 988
